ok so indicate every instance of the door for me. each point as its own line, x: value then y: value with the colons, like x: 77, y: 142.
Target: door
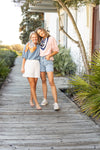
x: 96, y: 29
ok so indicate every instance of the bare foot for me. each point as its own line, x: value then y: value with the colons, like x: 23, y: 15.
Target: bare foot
x: 38, y: 107
x: 31, y: 103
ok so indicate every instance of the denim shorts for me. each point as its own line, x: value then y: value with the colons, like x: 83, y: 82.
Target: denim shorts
x: 46, y: 65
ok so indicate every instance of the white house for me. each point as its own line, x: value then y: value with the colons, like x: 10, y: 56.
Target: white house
x: 83, y: 17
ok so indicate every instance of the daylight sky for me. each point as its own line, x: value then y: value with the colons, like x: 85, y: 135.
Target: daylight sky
x: 10, y: 18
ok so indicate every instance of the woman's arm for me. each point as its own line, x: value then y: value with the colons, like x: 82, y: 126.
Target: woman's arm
x: 23, y: 65
x: 27, y: 47
x: 50, y: 55
x: 54, y: 48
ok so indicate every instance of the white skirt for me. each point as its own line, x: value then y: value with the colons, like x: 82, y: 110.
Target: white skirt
x: 32, y: 69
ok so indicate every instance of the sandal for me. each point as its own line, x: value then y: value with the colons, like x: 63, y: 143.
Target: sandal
x: 31, y: 103
x: 38, y: 107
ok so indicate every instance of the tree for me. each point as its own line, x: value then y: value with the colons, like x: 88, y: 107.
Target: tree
x: 29, y: 22
x: 65, y: 4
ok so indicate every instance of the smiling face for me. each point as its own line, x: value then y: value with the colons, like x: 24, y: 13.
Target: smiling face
x: 34, y: 38
x: 41, y: 33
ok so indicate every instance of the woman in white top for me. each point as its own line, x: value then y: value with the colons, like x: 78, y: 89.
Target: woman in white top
x: 31, y: 66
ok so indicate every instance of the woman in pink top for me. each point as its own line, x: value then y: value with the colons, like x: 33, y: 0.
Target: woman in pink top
x: 48, y: 48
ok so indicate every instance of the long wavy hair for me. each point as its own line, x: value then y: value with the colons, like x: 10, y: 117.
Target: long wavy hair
x: 45, y: 31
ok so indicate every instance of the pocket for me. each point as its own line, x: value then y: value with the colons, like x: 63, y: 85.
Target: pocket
x: 48, y: 62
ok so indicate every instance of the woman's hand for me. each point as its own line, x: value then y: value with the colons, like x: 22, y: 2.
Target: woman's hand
x: 23, y: 65
x: 50, y: 55
x: 47, y: 57
x: 22, y: 70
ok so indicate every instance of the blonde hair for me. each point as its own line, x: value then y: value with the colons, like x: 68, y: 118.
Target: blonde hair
x: 33, y: 32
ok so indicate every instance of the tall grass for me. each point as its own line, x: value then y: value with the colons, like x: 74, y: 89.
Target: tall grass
x: 18, y: 48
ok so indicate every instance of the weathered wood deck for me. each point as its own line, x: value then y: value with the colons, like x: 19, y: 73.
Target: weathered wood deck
x: 25, y: 128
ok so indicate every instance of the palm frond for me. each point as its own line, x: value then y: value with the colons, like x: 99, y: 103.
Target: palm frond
x: 87, y: 89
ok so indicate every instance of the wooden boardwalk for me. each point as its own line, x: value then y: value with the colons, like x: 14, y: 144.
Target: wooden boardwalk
x: 25, y: 128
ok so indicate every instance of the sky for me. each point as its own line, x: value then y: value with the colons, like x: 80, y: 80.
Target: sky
x: 10, y: 18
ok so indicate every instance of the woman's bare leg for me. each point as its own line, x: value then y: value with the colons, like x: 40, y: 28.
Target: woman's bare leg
x: 32, y: 82
x: 53, y: 87
x: 44, y: 84
x: 31, y: 98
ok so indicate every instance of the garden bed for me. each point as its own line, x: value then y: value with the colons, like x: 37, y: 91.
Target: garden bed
x: 69, y: 92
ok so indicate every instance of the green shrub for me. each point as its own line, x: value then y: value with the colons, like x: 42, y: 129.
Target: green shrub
x: 4, y: 70
x: 63, y: 62
x: 7, y: 58
x: 87, y: 89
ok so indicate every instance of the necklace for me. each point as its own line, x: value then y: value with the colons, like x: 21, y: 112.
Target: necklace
x: 43, y: 43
